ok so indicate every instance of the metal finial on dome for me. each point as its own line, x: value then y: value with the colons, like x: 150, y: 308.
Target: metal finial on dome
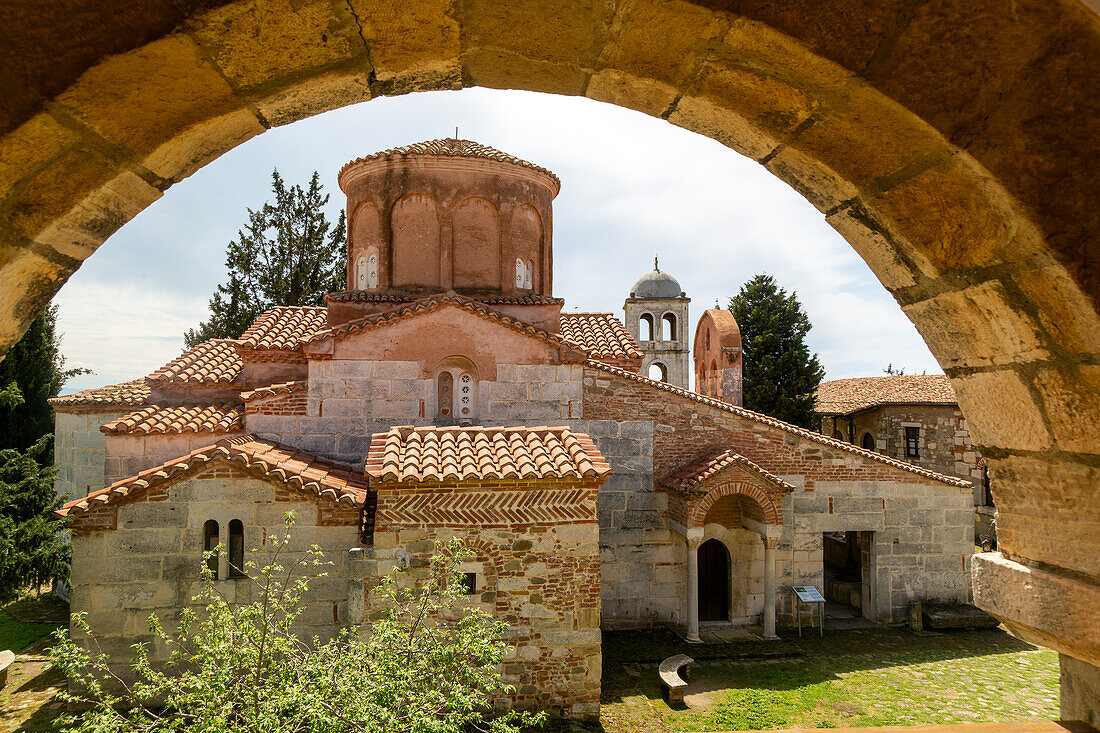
x: 658, y: 269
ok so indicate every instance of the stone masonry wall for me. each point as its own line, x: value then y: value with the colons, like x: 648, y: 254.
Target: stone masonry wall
x: 923, y: 528
x: 351, y: 400
x: 80, y: 451
x: 144, y: 556
x: 536, y: 565
x: 129, y: 454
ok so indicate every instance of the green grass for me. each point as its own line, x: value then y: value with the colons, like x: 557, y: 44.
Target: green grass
x: 856, y: 678
x: 18, y: 636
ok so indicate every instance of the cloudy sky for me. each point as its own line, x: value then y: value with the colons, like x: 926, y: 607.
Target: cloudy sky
x: 632, y: 187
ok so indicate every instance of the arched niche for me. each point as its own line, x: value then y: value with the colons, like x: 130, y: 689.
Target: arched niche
x: 476, y: 231
x: 525, y: 237
x: 415, y: 225
x: 457, y: 390
x: 365, y: 235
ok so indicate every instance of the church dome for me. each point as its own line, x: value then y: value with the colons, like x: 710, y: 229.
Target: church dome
x: 656, y: 284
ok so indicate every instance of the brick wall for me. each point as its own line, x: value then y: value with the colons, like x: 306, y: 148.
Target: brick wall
x: 537, y: 565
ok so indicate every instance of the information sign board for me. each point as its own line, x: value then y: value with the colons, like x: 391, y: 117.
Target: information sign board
x: 808, y: 594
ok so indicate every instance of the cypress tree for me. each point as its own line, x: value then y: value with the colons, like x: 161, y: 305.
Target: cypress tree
x: 780, y: 373
x: 289, y: 253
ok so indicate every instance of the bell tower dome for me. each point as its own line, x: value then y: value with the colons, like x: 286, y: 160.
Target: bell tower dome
x: 657, y: 318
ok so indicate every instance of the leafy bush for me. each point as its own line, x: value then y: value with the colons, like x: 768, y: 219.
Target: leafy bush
x: 429, y: 665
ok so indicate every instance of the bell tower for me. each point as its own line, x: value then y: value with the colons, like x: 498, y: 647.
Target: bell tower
x: 657, y: 317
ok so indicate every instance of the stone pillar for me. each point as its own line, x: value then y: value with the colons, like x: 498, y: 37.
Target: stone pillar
x: 769, y: 587
x: 1080, y: 690
x: 693, y: 588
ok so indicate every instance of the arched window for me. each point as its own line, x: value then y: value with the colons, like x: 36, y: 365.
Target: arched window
x: 521, y: 273
x: 708, y: 339
x: 645, y: 327
x: 868, y: 441
x: 838, y: 435
x: 368, y: 273
x: 210, y: 545
x: 529, y: 275
x: 668, y: 327
x: 456, y: 389
x: 236, y: 549
x: 361, y: 273
x: 657, y: 371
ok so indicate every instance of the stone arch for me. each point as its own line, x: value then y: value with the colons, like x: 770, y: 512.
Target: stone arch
x: 415, y: 226
x: 476, y: 235
x: 953, y: 147
x: 669, y: 330
x: 646, y: 328
x: 657, y: 370
x: 772, y: 513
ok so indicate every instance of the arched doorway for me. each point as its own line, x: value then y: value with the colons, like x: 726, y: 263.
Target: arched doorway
x: 714, y: 581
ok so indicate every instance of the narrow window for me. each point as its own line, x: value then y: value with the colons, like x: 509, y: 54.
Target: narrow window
x: 466, y: 395
x: 708, y: 339
x: 210, y: 545
x: 469, y: 583
x: 529, y: 275
x: 645, y: 327
x: 912, y: 442
x: 657, y: 371
x: 445, y: 394
x: 868, y: 441
x: 668, y: 327
x: 236, y: 549
x: 372, y: 269
x: 521, y: 273
x: 361, y: 274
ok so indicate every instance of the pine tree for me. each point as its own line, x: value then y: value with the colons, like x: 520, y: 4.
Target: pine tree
x: 780, y: 374
x: 31, y: 373
x: 33, y: 548
x: 288, y: 254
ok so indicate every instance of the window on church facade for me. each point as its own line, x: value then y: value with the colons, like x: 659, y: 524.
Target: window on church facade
x: 868, y: 442
x: 668, y: 327
x: 456, y: 390
x: 529, y: 275
x: 912, y: 442
x: 657, y: 371
x: 645, y: 327
x: 236, y: 549
x: 210, y: 545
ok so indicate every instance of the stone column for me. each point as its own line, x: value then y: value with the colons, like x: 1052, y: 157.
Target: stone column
x: 693, y: 588
x: 769, y: 587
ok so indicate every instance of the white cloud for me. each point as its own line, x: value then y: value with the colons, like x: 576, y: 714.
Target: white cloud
x: 632, y: 186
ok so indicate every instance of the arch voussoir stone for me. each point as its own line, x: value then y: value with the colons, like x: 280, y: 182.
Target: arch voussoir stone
x: 772, y: 513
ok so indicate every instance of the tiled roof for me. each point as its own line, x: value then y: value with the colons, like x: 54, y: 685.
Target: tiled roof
x: 689, y: 477
x: 775, y: 423
x: 391, y: 296
x: 408, y: 454
x: 134, y: 392
x: 212, y: 362
x: 453, y: 147
x: 844, y: 396
x: 434, y: 302
x: 158, y: 420
x: 274, y: 389
x: 602, y: 335
x: 261, y: 458
x: 283, y: 326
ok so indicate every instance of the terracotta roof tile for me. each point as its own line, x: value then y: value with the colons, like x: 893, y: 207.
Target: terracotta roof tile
x: 212, y: 362
x: 434, y: 302
x: 158, y: 420
x: 413, y: 455
x: 134, y: 392
x: 391, y: 296
x: 773, y: 422
x: 261, y: 458
x: 274, y: 389
x: 451, y: 147
x: 844, y: 396
x: 689, y: 477
x: 602, y: 335
x: 283, y: 326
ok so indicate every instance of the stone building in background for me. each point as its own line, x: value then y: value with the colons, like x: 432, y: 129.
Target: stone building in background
x: 445, y: 393
x: 913, y: 418
x: 718, y: 371
x: 657, y: 318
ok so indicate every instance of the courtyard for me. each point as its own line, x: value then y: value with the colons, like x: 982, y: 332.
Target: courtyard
x: 856, y: 677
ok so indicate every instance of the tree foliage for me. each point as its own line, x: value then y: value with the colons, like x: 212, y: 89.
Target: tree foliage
x: 33, y: 548
x: 31, y: 373
x: 289, y: 253
x: 429, y: 665
x: 780, y: 374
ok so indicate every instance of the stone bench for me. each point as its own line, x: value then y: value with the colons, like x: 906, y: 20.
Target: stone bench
x: 671, y: 678
x: 6, y: 660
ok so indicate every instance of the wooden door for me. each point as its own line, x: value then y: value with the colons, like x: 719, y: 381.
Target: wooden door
x: 714, y: 582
